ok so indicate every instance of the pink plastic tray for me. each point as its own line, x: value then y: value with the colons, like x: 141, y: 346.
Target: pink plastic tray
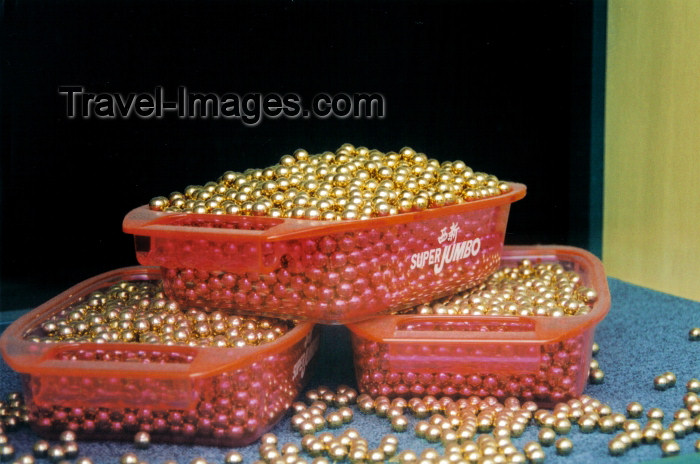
x: 545, y: 359
x: 325, y: 271
x: 182, y: 394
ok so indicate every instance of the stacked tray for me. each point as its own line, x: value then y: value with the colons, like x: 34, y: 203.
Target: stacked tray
x: 329, y: 272
x: 224, y: 396
x: 539, y: 358
x: 365, y: 273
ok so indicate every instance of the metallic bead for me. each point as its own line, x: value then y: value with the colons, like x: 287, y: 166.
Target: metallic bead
x: 41, y: 448
x: 596, y: 376
x: 670, y: 448
x: 678, y: 428
x: 388, y: 449
x: 606, y: 424
x: 693, y: 385
x: 690, y: 398
x: 346, y: 414
x: 269, y: 438
x: 636, y: 437
x: 661, y: 382
x: 654, y: 424
x: 337, y: 452
x: 433, y: 434
x: 233, y: 457
x: 399, y: 423
x: 129, y: 458
x: 25, y: 459
x: 407, y: 457
x: 635, y: 410
x: 665, y: 435
x: 546, y: 436
x: 55, y: 453
x: 564, y: 446
x: 649, y: 435
x: 334, y: 419
x: 70, y: 449
x: 7, y: 452
x: 562, y: 426
x: 158, y: 203
x: 536, y: 456
x: 531, y: 446
x: 315, y: 448
x: 655, y: 413
x: 587, y: 424
x: 671, y: 378
x: 630, y: 425
x: 142, y: 440
x: 616, y: 447
x: 694, y: 334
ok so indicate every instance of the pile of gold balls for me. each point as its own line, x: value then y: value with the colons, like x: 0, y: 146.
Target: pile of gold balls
x: 139, y: 312
x: 350, y: 183
x: 527, y: 289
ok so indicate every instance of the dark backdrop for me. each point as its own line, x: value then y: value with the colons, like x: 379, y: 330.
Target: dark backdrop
x: 504, y: 86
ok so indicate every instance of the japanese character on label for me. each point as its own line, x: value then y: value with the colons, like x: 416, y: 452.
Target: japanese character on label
x: 443, y: 235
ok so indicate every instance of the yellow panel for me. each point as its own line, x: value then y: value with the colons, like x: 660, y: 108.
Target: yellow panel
x: 651, y: 219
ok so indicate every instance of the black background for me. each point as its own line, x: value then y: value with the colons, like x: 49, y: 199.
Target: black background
x: 504, y: 86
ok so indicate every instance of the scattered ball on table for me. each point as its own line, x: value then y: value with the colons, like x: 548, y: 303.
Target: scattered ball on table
x: 67, y: 436
x: 617, y: 447
x: 671, y: 377
x: 670, y: 448
x: 665, y: 435
x: 537, y: 456
x: 233, y: 457
x: 596, y: 376
x: 142, y: 439
x: 661, y: 382
x: 564, y: 446
x: 399, y: 423
x: 25, y: 459
x: 655, y: 413
x: 56, y: 453
x: 70, y: 449
x: 546, y: 436
x: 635, y: 410
x: 129, y: 458
x: 7, y: 452
x: 694, y: 334
x: 693, y: 386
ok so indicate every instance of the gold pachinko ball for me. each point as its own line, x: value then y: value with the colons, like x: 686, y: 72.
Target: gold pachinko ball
x: 383, y: 184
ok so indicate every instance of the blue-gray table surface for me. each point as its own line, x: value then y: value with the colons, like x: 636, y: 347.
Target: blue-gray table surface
x: 644, y: 335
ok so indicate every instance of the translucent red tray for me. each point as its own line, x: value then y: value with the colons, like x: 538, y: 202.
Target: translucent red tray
x: 331, y: 272
x: 181, y: 394
x: 544, y: 359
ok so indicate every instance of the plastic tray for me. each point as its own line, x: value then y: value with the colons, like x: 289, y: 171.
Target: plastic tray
x: 180, y: 394
x: 544, y: 359
x: 324, y: 271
